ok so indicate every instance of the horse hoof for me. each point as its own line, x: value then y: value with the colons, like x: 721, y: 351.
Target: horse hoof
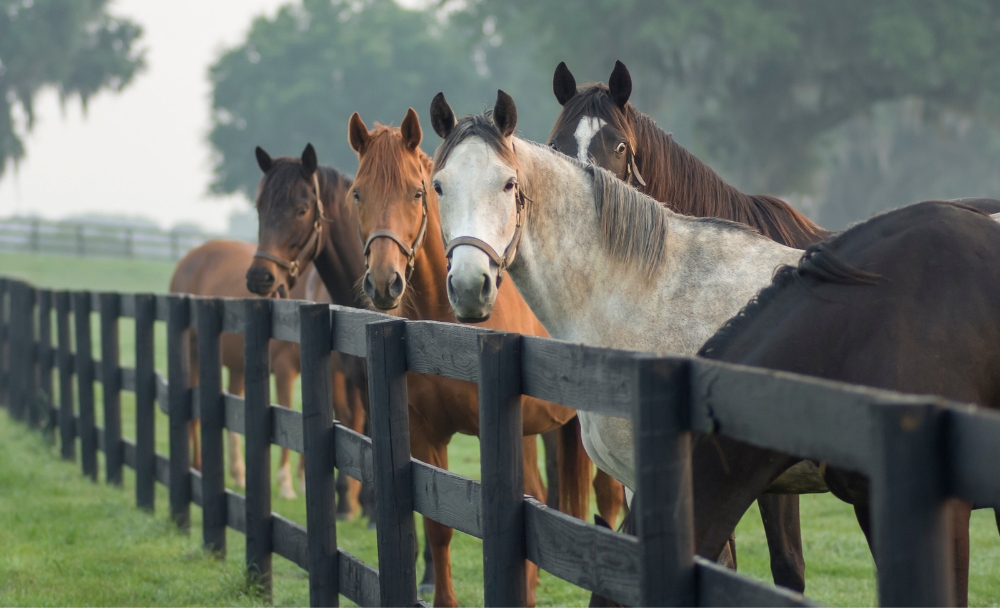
x: 288, y: 493
x: 345, y: 516
x: 425, y: 589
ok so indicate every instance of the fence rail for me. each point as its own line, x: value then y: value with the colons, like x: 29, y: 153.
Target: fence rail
x: 917, y: 451
x: 32, y: 235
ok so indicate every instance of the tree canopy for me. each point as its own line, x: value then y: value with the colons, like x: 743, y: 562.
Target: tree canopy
x: 76, y: 47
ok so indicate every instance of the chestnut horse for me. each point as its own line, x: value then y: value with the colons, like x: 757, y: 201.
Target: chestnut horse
x: 398, y: 220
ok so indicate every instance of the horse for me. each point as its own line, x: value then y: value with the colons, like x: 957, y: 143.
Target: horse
x: 926, y: 320
x: 598, y: 124
x: 294, y: 198
x: 215, y: 269
x: 406, y: 276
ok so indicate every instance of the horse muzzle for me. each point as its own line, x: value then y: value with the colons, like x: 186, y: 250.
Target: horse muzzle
x: 472, y: 290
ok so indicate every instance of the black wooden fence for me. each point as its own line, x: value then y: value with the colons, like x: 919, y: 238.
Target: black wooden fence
x: 917, y: 451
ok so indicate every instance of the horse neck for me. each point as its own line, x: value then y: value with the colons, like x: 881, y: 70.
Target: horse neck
x: 429, y: 297
x: 340, y: 263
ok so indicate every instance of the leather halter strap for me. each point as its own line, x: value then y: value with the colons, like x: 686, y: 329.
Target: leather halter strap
x: 510, y: 252
x: 312, y: 246
x: 632, y: 170
x: 409, y: 250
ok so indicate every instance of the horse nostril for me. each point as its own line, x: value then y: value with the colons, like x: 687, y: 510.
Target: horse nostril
x: 451, y: 289
x: 368, y: 286
x: 396, y: 288
x: 484, y: 295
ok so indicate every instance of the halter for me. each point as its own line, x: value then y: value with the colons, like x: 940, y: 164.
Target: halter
x: 410, y: 251
x: 310, y: 250
x: 510, y: 252
x: 632, y: 170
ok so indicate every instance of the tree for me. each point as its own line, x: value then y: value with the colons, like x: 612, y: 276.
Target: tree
x: 299, y: 76
x: 76, y: 47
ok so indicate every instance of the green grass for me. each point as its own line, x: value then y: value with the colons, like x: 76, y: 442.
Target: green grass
x: 67, y: 541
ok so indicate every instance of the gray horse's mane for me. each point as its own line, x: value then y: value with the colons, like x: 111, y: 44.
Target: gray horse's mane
x: 633, y: 225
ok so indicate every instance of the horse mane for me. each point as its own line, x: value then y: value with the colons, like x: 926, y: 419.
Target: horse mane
x: 818, y: 262
x: 274, y: 188
x: 683, y: 182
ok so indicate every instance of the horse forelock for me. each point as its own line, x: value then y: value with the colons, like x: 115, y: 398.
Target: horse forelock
x: 475, y: 125
x: 386, y: 162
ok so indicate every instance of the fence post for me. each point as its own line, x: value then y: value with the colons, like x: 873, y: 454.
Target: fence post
x: 112, y: 386
x: 85, y: 382
x: 45, y: 353
x: 179, y: 409
x: 67, y: 419
x: 16, y: 347
x: 320, y: 454
x: 213, y: 417
x: 664, y: 503
x: 501, y: 458
x: 145, y: 408
x: 909, y: 513
x: 256, y: 344
x: 29, y: 354
x: 5, y: 343
x: 397, y: 541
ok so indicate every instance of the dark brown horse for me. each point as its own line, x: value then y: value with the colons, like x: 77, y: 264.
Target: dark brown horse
x: 294, y: 198
x: 398, y: 218
x: 924, y: 319
x: 598, y: 124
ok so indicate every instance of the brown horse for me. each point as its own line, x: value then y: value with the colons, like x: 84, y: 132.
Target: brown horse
x: 398, y: 217
x: 216, y: 269
x: 294, y: 198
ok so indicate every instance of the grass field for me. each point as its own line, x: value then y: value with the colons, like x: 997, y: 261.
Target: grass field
x: 67, y: 541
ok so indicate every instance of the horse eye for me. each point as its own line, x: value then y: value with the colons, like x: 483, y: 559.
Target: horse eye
x: 437, y: 188
x: 510, y: 186
x: 553, y: 146
x: 301, y: 211
x: 620, y: 149
x: 357, y: 196
x: 419, y: 195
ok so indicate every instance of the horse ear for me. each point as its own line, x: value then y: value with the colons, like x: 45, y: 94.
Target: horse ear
x: 309, y: 162
x: 410, y: 129
x: 563, y: 84
x: 442, y: 116
x: 620, y: 84
x: 263, y: 160
x: 357, y: 133
x: 505, y: 114
x: 600, y: 521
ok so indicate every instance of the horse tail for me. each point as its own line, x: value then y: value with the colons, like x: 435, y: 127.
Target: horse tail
x: 574, y: 471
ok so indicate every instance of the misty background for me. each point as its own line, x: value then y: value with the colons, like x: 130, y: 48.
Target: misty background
x: 151, y: 111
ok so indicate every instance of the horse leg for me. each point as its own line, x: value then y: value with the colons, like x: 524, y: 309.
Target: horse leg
x: 190, y: 350
x: 237, y: 468
x: 551, y: 443
x: 961, y: 512
x: 438, y: 535
x: 338, y: 384
x: 358, y: 419
x: 610, y: 495
x: 426, y: 586
x: 533, y: 486
x: 780, y: 515
x: 194, y: 440
x: 284, y: 379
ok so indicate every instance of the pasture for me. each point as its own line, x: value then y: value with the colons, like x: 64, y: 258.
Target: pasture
x: 45, y: 502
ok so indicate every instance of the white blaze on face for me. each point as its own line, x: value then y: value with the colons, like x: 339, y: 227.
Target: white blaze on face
x: 586, y: 129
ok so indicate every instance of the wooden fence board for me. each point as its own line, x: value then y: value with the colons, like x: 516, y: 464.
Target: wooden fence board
x: 348, y: 335
x: 443, y: 349
x: 588, y: 556
x: 236, y: 511
x: 67, y: 427
x: 720, y: 586
x: 145, y: 396
x: 4, y: 343
x: 162, y: 307
x: 359, y: 582
x: 290, y: 541
x: 354, y: 454
x: 85, y: 382
x: 233, y: 315
x: 974, y: 453
x: 111, y: 386
x: 235, y: 412
x: 286, y: 428
x: 177, y: 402
x: 46, y: 354
x: 196, y: 486
x: 285, y: 320
x: 447, y: 498
x: 256, y: 349
x: 213, y: 474
x: 126, y: 305
x: 128, y: 452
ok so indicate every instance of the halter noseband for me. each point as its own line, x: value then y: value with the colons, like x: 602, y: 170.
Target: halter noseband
x: 310, y: 249
x: 410, y: 251
x: 510, y: 252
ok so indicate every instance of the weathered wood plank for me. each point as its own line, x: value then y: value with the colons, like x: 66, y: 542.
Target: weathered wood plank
x: 95, y: 300
x: 128, y: 452
x: 256, y: 357
x: 286, y: 428
x: 236, y: 511
x: 213, y: 474
x: 46, y: 358
x: 909, y: 515
x: 447, y: 498
x: 315, y: 426
x: 85, y: 382
x: 720, y: 586
x: 501, y: 460
x: 111, y: 389
x: 5, y: 343
x: 397, y: 539
x: 348, y: 335
x: 127, y: 375
x: 354, y: 454
x: 195, y: 477
x: 145, y: 397
x: 588, y: 556
x: 162, y: 308
x: 664, y: 502
x: 974, y: 452
x: 358, y: 581
x: 30, y: 355
x: 290, y: 541
x: 443, y: 349
x: 285, y: 320
x: 67, y: 426
x: 163, y: 470
x: 232, y: 315
x: 177, y: 403
x: 126, y: 305
x: 581, y: 377
x: 235, y: 411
